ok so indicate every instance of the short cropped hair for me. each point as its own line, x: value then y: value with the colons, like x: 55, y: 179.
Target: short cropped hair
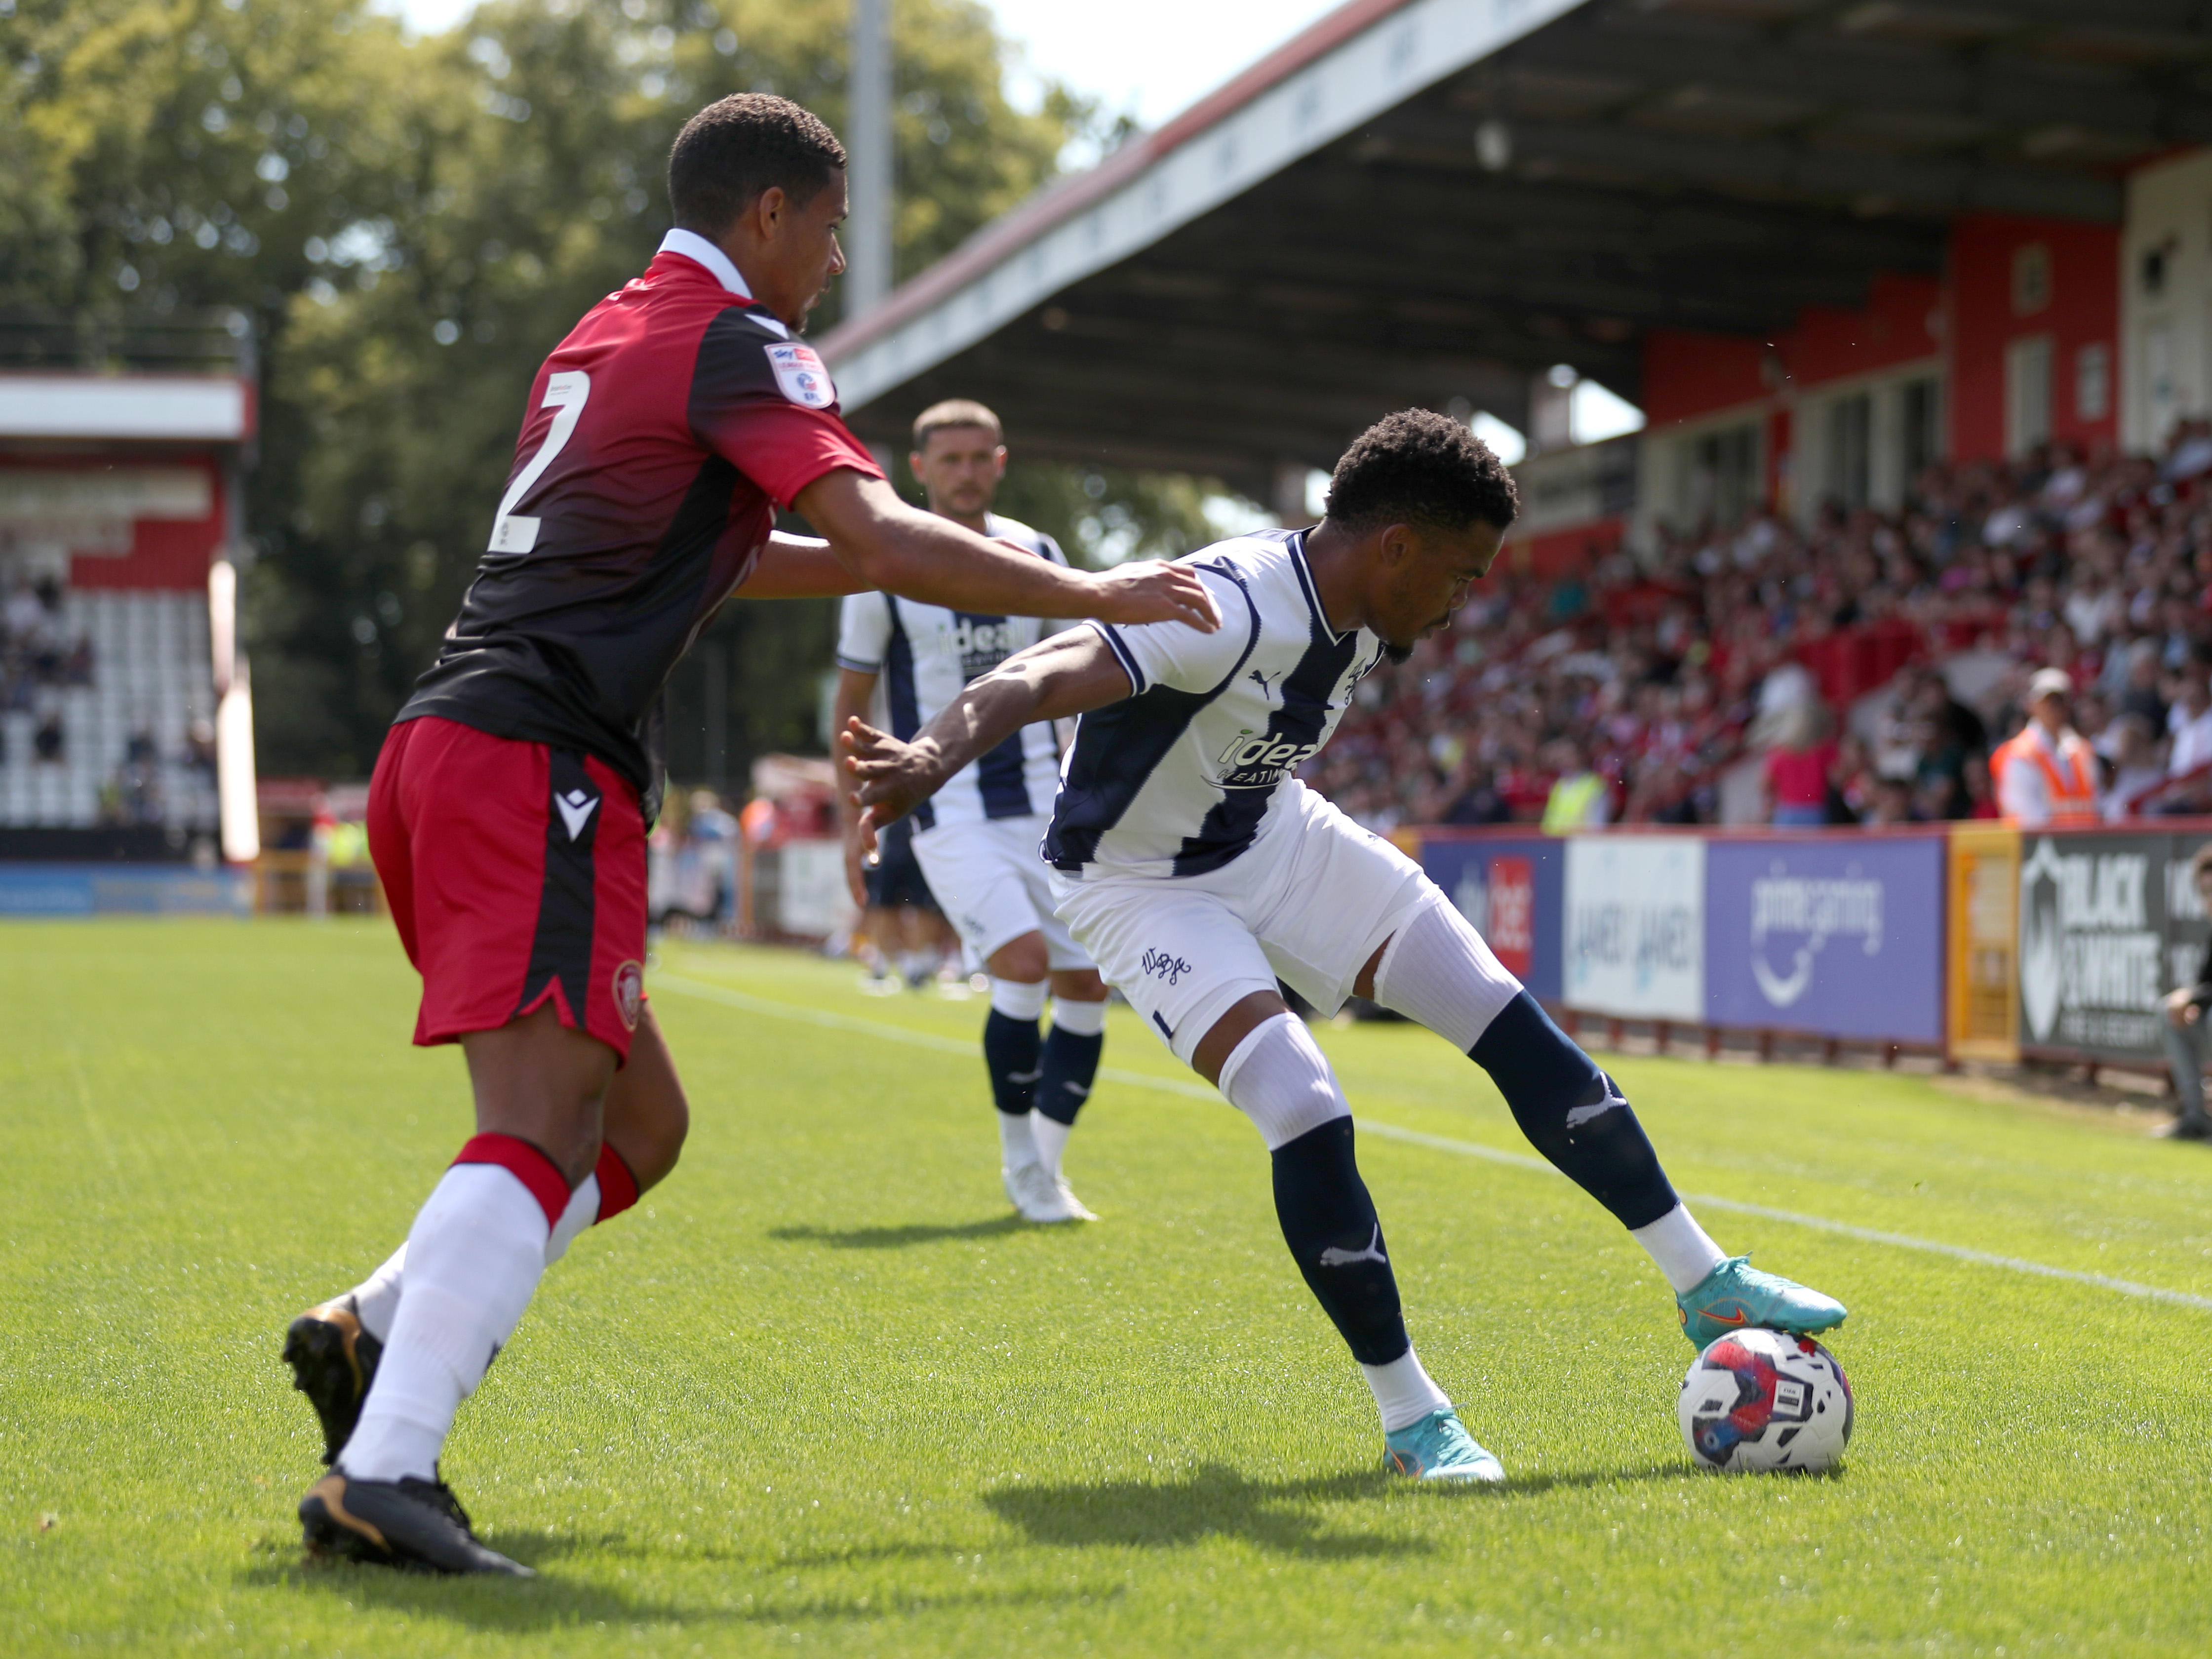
x: 732, y: 151
x: 955, y: 411
x: 1421, y: 468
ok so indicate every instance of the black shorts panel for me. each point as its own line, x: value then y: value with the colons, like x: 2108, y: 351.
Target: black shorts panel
x: 898, y: 884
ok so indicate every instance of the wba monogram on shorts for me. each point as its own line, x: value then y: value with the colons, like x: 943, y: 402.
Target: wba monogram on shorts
x: 1160, y: 964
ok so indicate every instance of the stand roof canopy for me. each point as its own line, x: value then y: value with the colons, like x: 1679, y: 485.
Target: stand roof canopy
x: 1418, y: 201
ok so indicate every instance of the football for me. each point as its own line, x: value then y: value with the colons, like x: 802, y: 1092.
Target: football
x: 1756, y: 1400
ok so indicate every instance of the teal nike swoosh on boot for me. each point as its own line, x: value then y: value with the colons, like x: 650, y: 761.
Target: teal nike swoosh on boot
x: 1438, y: 1448
x: 1736, y: 1295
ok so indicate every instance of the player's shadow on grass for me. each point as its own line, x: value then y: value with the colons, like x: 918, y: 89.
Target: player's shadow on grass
x: 898, y: 1238
x: 488, y: 1603
x: 554, y: 1601
x: 1216, y: 1500
x: 1273, y: 1513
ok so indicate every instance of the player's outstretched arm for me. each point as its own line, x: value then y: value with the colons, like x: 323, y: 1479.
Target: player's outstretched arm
x: 798, y: 568
x: 885, y: 543
x: 1068, y: 674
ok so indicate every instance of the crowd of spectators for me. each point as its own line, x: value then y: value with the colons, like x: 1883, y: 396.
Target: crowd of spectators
x: 1623, y: 691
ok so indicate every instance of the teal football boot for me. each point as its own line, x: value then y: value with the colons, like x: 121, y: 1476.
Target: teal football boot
x: 1736, y: 1295
x: 1437, y: 1448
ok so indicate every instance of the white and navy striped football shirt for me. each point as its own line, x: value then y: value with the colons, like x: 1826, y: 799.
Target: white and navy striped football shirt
x: 1180, y: 778
x: 925, y: 653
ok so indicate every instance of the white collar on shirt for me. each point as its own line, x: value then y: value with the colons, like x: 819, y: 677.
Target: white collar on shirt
x: 697, y: 249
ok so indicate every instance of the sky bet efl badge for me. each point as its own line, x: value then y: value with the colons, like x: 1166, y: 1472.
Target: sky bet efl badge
x: 800, y: 376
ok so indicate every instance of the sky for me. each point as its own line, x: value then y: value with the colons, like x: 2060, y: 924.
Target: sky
x: 1157, y: 58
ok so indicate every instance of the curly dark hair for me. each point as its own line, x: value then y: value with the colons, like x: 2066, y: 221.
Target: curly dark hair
x: 732, y: 150
x: 1419, y: 467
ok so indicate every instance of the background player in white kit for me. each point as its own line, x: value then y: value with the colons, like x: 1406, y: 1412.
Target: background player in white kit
x: 976, y: 842
x: 1197, y: 869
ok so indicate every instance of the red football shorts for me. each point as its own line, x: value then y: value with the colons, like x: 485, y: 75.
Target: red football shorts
x: 516, y: 874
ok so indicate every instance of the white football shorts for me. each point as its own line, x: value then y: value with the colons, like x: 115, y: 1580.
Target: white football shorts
x: 992, y: 885
x: 1307, y: 902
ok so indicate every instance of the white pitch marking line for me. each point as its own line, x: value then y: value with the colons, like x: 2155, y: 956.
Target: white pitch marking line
x: 1821, y: 1224
x: 1464, y: 1148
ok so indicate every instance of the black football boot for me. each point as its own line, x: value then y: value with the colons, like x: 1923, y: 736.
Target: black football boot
x: 333, y: 1360
x: 410, y: 1523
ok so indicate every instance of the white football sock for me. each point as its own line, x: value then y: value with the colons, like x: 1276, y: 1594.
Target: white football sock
x: 1079, y: 1019
x: 1018, y: 999
x: 1403, y: 1393
x: 1438, y: 972
x: 1680, y: 1248
x: 1016, y: 1141
x: 376, y: 1298
x: 475, y: 1256
x: 1280, y: 1079
x: 1051, y: 1137
x: 583, y: 1209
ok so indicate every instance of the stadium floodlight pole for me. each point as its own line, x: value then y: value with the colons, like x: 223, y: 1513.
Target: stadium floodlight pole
x: 868, y: 146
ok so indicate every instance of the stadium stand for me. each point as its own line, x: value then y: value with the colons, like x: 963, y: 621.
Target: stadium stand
x: 109, y: 709
x: 1669, y: 670
x: 122, y: 445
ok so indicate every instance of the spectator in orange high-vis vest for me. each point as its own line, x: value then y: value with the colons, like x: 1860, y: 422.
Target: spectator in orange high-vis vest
x: 2047, y: 776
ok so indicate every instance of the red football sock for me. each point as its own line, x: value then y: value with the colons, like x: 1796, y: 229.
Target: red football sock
x: 618, y: 1186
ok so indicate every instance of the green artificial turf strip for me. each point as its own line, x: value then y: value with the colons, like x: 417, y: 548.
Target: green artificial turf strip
x: 819, y: 1392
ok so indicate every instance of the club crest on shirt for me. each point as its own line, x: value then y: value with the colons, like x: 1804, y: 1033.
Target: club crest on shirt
x: 629, y: 993
x: 800, y: 375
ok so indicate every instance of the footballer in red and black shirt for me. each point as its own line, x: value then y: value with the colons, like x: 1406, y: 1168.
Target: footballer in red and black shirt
x: 508, y: 811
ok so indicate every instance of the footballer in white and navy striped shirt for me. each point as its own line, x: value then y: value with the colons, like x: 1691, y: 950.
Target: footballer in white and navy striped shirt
x: 976, y: 839
x: 1197, y: 868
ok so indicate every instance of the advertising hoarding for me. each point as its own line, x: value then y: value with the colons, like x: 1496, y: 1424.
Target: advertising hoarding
x: 1510, y: 887
x: 2186, y: 928
x: 1635, y: 927
x: 2092, y: 943
x: 1834, y: 936
x: 1984, y: 943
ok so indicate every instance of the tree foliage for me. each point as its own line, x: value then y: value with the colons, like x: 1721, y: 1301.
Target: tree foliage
x: 417, y: 223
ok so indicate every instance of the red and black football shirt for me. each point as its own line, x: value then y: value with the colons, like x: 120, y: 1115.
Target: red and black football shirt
x: 660, y: 437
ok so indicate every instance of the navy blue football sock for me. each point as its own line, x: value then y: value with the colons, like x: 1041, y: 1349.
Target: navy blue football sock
x: 1011, y: 1053
x: 1069, y: 1064
x: 1329, y: 1223
x: 1572, y: 1113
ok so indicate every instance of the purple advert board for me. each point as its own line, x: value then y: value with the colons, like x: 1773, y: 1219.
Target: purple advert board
x: 1835, y: 936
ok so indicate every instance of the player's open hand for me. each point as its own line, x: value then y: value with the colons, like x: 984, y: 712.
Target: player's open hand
x: 889, y: 779
x: 1152, y: 590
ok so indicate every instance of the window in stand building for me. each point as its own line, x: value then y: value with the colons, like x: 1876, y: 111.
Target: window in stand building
x: 1920, y: 425
x: 2159, y: 378
x: 2093, y: 382
x: 1718, y: 476
x: 1850, y: 445
x: 2027, y: 393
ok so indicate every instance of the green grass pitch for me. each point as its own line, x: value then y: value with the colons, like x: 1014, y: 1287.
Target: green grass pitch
x: 819, y: 1393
